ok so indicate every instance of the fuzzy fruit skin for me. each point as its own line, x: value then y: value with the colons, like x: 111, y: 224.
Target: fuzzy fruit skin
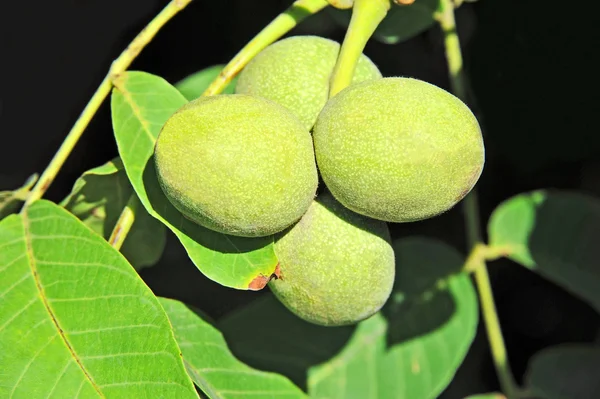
x: 337, y: 267
x: 398, y: 149
x: 237, y: 164
x: 295, y: 73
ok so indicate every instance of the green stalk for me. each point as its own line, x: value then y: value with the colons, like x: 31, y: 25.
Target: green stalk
x: 480, y: 253
x: 283, y: 23
x: 471, y: 214
x: 366, y: 16
x: 119, y: 66
x: 125, y: 221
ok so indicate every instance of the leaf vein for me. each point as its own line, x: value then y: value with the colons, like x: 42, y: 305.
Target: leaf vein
x: 29, y: 363
x: 95, y: 298
x: 15, y: 284
x: 13, y: 317
x: 11, y: 242
x: 32, y: 265
x: 126, y: 354
x: 12, y: 262
x: 60, y: 375
x: 96, y: 330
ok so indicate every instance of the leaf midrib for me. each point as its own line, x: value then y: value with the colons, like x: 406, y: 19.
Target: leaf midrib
x: 42, y: 295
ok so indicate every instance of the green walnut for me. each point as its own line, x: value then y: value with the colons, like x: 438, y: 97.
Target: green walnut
x: 336, y: 267
x: 398, y: 149
x: 295, y: 73
x: 237, y: 164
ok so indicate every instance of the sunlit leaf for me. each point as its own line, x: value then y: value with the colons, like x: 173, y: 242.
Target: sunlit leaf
x: 76, y: 320
x: 554, y: 234
x: 98, y: 198
x: 565, y: 372
x: 11, y: 200
x: 195, y: 84
x: 409, y: 350
x: 141, y: 103
x: 212, y: 366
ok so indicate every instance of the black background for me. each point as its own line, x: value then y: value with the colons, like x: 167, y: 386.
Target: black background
x: 534, y: 73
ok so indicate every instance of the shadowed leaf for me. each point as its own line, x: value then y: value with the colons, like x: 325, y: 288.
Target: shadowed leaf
x: 568, y: 371
x: 554, y: 234
x: 432, y: 319
x: 98, y: 198
x: 212, y: 366
x: 409, y: 350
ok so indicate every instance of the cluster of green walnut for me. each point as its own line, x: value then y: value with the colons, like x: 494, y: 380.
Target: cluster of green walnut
x: 387, y: 150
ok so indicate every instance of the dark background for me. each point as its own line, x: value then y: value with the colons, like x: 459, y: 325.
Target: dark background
x: 534, y: 73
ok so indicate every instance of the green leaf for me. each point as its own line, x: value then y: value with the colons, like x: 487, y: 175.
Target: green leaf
x: 433, y: 316
x: 98, y: 198
x: 267, y: 336
x: 195, y: 84
x: 409, y: 350
x: 494, y: 395
x: 555, y: 234
x: 141, y: 104
x: 76, y: 320
x: 212, y: 366
x: 567, y: 371
x: 431, y: 322
x: 11, y: 200
x: 356, y: 371
x: 401, y: 23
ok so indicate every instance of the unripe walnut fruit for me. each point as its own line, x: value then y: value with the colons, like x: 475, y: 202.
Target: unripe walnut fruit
x: 295, y: 72
x: 398, y: 149
x: 336, y: 267
x: 237, y: 164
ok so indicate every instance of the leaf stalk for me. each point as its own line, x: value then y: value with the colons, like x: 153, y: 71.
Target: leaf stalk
x: 366, y: 16
x: 125, y: 221
x: 446, y: 19
x: 283, y: 23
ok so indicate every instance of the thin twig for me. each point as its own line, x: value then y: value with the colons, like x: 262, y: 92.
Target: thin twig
x: 283, y: 23
x: 471, y: 214
x: 481, y: 253
x: 118, y: 66
x: 366, y: 16
x: 125, y: 221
